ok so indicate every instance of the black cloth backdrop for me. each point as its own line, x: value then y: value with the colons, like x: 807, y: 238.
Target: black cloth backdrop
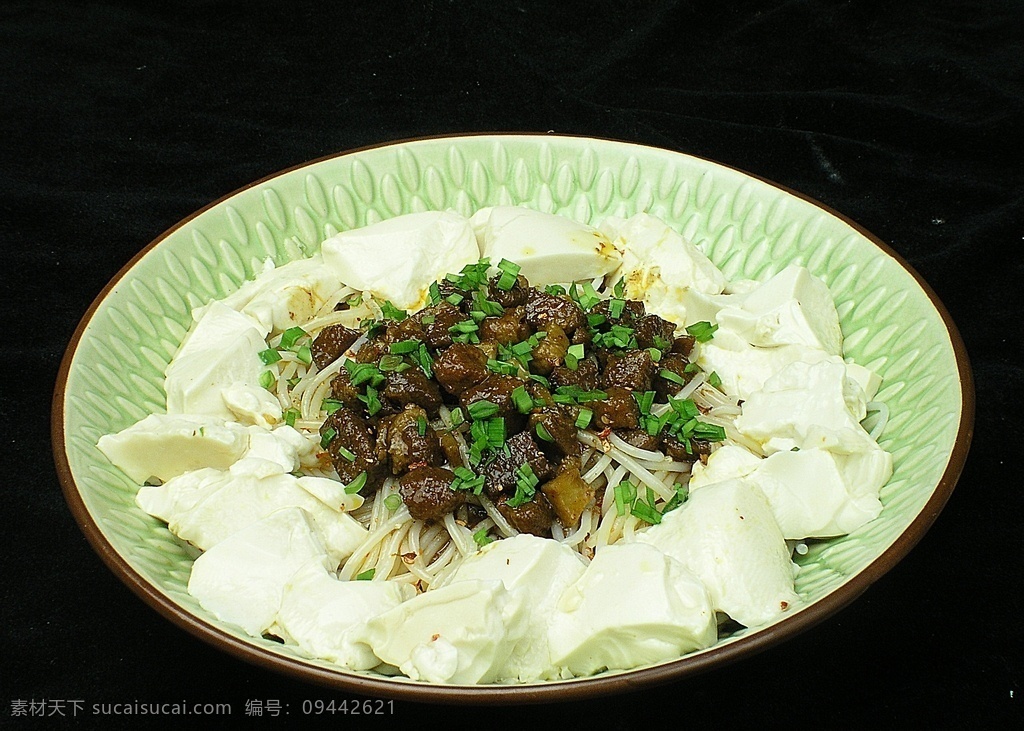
x: 121, y: 118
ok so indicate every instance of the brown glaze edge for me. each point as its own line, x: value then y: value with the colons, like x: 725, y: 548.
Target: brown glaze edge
x: 555, y: 691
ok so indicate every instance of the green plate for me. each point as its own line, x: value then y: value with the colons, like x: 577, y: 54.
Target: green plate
x: 112, y: 373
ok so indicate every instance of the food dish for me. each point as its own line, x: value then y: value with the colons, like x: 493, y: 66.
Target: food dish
x: 741, y: 219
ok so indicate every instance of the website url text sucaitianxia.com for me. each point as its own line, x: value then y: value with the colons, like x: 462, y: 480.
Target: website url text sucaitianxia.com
x: 75, y: 708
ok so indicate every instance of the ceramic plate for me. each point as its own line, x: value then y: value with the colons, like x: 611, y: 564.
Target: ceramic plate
x: 112, y: 372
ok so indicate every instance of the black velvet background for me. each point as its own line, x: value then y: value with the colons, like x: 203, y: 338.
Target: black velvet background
x: 119, y: 119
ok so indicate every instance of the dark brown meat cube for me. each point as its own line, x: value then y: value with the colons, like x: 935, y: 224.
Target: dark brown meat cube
x: 534, y: 516
x: 683, y: 345
x: 460, y: 367
x: 639, y: 439
x: 587, y: 375
x: 550, y: 351
x: 407, y: 329
x: 411, y: 386
x: 372, y: 350
x: 496, y: 388
x: 676, y: 449
x: 435, y: 322
x: 343, y: 390
x: 513, y: 297
x: 543, y: 310
x: 632, y: 311
x: 508, y: 329
x: 562, y: 430
x: 348, y: 435
x: 618, y: 411
x: 331, y: 343
x: 406, y: 446
x: 674, y: 363
x: 428, y: 493
x: 632, y: 369
x: 654, y: 332
x: 501, y: 474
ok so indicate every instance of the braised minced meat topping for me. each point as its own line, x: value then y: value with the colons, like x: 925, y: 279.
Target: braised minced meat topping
x: 518, y: 370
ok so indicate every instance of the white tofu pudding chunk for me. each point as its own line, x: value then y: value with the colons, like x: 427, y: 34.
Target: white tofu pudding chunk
x: 634, y: 605
x: 727, y: 535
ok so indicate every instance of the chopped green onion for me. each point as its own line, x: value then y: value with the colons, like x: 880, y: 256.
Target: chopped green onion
x: 522, y: 400
x: 644, y: 400
x: 655, y: 354
x: 373, y: 404
x: 357, y: 484
x: 714, y: 380
x: 672, y: 376
x: 393, y: 502
x: 625, y: 495
x: 596, y: 318
x: 270, y: 356
x: 428, y: 320
x: 290, y: 416
x: 367, y: 575
x: 457, y: 417
x: 421, y: 426
x: 267, y: 379
x: 583, y: 418
x: 526, y: 486
x: 482, y: 409
x: 540, y: 379
x: 615, y: 308
x: 328, y: 436
x: 391, y: 362
x: 404, y: 346
x: 426, y: 363
x: 681, y: 494
x: 481, y: 537
x: 434, y: 292
x: 555, y: 289
x: 291, y: 336
x: 509, y: 273
x: 646, y: 512
x: 661, y: 343
x: 389, y: 312
x: 543, y: 433
x: 348, y: 455
x: 502, y: 367
x: 305, y: 354
x: 620, y: 287
x: 454, y: 299
x: 702, y: 331
x: 708, y: 432
x: 574, y: 355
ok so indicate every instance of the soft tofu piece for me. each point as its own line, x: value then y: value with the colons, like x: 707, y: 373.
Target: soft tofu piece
x: 284, y: 447
x: 659, y: 265
x: 280, y: 297
x: 813, y: 493
x: 399, y: 258
x: 550, y: 249
x: 791, y: 308
x: 727, y: 462
x: 323, y: 615
x: 819, y: 494
x: 221, y: 351
x: 727, y: 535
x: 252, y: 405
x: 807, y: 405
x: 461, y: 633
x: 166, y: 445
x: 633, y: 606
x: 241, y: 580
x: 206, y: 506
x: 538, y: 569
